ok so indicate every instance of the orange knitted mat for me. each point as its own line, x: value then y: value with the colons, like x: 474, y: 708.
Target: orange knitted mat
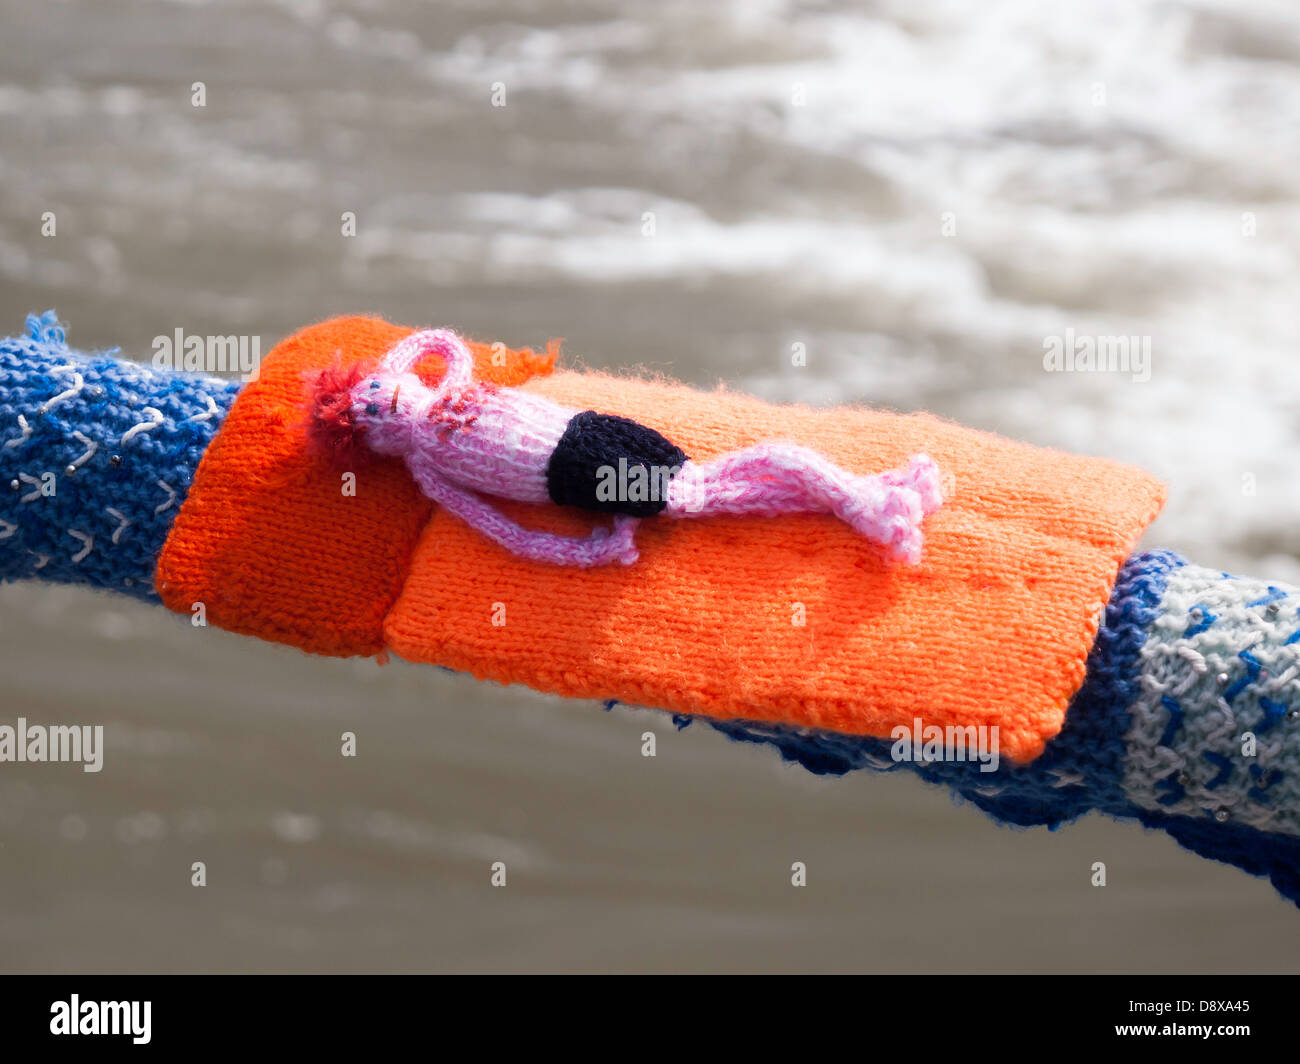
x: 267, y: 540
x: 796, y: 619
x: 791, y: 619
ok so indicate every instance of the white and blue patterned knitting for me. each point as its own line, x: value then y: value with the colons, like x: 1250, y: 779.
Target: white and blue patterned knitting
x: 96, y: 456
x: 1187, y: 720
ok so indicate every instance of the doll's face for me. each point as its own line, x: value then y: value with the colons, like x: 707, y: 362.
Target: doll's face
x: 384, y: 399
x: 377, y: 395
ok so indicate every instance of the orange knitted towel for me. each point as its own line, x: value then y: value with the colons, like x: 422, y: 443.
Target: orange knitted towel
x: 269, y: 542
x: 790, y: 619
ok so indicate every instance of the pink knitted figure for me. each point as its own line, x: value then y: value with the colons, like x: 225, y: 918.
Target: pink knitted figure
x: 464, y: 440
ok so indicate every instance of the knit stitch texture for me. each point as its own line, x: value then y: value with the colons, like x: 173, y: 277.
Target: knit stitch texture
x: 1215, y: 729
x: 1156, y: 732
x: 278, y: 541
x: 1188, y: 666
x: 97, y: 454
x: 593, y: 442
x: 794, y: 619
x: 468, y: 442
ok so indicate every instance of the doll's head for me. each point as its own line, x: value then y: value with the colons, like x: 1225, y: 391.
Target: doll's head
x: 365, y: 409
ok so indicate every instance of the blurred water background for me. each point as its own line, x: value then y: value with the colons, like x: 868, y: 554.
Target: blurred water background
x: 918, y: 192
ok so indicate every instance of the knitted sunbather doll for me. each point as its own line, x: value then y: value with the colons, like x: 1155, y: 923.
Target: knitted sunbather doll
x: 826, y: 596
x: 466, y: 441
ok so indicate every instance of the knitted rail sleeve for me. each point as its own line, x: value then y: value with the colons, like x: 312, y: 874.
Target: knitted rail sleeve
x: 97, y: 454
x: 1188, y: 721
x: 1213, y: 750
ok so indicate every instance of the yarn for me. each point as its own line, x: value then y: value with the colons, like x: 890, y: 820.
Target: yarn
x: 271, y: 542
x: 789, y: 619
x: 792, y: 619
x: 332, y: 428
x: 1225, y: 645
x: 97, y: 456
x: 1081, y: 768
x: 593, y: 443
x: 275, y: 538
x: 770, y: 479
x: 466, y: 439
x: 1185, y: 660
x: 1116, y: 749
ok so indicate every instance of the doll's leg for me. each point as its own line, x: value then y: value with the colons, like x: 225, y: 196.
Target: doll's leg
x: 776, y: 478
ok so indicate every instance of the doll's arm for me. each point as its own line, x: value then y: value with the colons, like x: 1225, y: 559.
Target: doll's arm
x: 442, y: 342
x: 601, y: 548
